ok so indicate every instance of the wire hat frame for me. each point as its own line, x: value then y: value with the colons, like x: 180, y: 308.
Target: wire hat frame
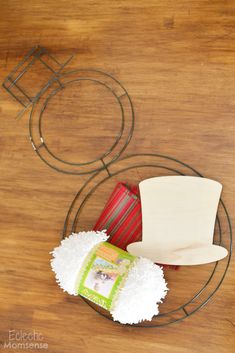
x: 13, y: 82
x: 108, y: 165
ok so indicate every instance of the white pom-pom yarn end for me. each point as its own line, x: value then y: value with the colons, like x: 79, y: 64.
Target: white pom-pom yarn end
x: 144, y: 287
x: 69, y: 257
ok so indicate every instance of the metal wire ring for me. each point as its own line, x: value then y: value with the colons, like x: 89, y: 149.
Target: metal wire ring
x: 110, y: 175
x: 98, y: 163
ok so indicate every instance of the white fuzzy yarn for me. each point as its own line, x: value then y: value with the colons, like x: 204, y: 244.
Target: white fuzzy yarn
x: 143, y: 289
x: 69, y: 257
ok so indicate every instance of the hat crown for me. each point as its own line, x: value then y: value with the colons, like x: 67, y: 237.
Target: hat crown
x: 179, y: 210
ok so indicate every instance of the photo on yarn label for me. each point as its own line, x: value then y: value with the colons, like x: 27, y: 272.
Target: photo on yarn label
x: 105, y: 273
x: 102, y: 277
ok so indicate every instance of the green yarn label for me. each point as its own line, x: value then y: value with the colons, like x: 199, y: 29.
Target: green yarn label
x: 104, y: 272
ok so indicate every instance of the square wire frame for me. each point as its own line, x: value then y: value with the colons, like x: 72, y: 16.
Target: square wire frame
x: 12, y: 82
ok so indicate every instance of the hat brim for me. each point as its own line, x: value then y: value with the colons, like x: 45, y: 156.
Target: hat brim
x: 194, y: 255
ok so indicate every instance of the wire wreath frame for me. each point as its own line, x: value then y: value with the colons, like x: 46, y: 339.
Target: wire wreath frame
x: 121, y: 141
x: 181, y: 312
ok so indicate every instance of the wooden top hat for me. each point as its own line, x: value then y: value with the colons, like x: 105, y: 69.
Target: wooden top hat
x: 178, y: 216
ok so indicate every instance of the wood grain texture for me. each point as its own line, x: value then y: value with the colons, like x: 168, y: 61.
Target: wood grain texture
x: 176, y: 59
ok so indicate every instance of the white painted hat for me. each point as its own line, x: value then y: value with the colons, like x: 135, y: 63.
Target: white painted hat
x: 178, y: 215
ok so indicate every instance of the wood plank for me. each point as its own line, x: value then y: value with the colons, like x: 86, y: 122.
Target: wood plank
x: 176, y: 59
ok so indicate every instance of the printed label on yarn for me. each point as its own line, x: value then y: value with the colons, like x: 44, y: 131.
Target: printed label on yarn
x: 104, y: 272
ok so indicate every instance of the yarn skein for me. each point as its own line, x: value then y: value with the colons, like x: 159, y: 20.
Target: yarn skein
x: 136, y: 300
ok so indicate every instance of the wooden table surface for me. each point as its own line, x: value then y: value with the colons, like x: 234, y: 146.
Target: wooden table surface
x: 177, y: 61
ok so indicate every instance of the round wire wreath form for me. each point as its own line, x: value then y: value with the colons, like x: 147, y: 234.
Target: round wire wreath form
x: 58, y: 84
x: 172, y: 166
